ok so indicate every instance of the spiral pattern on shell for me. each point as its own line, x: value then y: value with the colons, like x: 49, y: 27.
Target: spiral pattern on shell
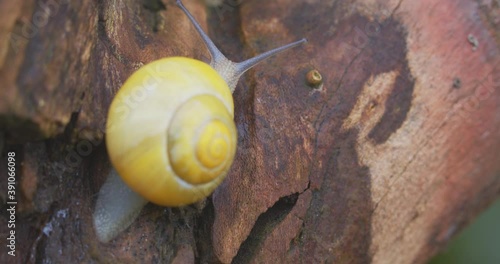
x: 209, y: 143
x: 172, y: 137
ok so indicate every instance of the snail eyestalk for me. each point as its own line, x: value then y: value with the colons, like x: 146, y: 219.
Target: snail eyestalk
x: 231, y: 71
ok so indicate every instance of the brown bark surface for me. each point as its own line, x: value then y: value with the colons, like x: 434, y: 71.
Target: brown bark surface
x: 385, y: 162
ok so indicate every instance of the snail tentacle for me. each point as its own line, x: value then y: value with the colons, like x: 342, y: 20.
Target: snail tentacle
x: 229, y: 70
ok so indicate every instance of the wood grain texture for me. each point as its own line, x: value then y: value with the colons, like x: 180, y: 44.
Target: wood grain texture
x: 385, y: 162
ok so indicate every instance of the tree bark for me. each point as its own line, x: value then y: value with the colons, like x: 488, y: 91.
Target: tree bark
x: 384, y: 162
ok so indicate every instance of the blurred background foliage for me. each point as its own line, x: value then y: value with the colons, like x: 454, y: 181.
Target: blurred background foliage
x: 478, y: 243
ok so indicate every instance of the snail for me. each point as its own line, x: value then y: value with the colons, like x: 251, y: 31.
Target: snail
x: 170, y: 134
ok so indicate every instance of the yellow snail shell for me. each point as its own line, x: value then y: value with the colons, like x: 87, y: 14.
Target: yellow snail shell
x: 177, y: 142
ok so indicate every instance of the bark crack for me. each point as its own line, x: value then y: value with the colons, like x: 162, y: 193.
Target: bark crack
x: 264, y: 226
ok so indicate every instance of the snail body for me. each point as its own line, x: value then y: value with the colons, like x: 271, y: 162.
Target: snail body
x: 170, y: 134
